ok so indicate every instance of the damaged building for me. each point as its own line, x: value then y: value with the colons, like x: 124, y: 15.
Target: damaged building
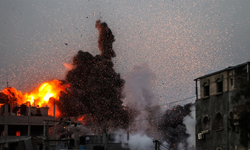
x: 21, y: 127
x: 222, y: 109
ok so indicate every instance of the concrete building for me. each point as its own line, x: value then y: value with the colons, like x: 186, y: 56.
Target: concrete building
x: 21, y: 128
x: 222, y: 109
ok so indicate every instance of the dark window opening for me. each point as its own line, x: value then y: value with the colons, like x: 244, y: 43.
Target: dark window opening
x: 18, y: 130
x: 1, y: 130
x: 218, y: 122
x: 13, y: 145
x: 205, y: 123
x: 206, y: 90
x: 219, y: 86
x: 232, y: 81
x: 39, y: 146
x: 36, y: 130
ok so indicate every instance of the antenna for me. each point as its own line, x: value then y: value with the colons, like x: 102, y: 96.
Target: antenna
x: 7, y: 76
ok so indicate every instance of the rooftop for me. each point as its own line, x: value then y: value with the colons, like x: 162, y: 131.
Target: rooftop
x: 226, y: 69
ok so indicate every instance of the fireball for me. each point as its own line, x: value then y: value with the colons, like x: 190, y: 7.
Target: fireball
x: 44, y: 96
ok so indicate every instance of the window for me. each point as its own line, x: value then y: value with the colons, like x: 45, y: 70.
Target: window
x: 206, y: 89
x: 17, y: 130
x: 231, y: 119
x: 18, y: 133
x: 231, y: 80
x: 219, y: 84
x: 205, y: 123
x: 218, y: 122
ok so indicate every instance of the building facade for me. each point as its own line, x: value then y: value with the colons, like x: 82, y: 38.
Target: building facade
x: 22, y: 128
x: 222, y: 109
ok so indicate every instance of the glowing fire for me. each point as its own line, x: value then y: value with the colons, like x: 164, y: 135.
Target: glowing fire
x: 45, y: 95
x: 82, y: 119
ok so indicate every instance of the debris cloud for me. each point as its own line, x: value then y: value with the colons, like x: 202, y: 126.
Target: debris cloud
x: 95, y: 85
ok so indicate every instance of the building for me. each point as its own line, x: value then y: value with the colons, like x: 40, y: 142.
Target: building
x: 222, y: 109
x: 22, y: 128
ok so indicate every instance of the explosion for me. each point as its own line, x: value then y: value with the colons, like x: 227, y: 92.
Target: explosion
x: 92, y: 92
x: 91, y: 88
x: 45, y: 95
x: 95, y: 87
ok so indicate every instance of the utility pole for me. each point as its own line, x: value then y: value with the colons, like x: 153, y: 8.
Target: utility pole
x: 156, y: 144
x: 54, y: 129
x: 45, y: 136
x: 105, y: 138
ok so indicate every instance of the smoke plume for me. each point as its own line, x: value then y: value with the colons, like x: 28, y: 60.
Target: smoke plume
x: 173, y: 129
x: 149, y: 123
x: 190, y: 122
x: 95, y: 85
x: 139, y: 97
x: 105, y: 40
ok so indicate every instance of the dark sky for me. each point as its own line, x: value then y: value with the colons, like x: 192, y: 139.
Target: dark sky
x: 178, y: 39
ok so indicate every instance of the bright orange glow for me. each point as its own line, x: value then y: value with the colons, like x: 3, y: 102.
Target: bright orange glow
x: 68, y: 66
x: 18, y: 133
x: 45, y: 95
x: 82, y: 119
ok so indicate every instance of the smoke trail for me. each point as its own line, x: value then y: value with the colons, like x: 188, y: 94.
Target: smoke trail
x: 105, y: 40
x: 190, y: 122
x: 139, y: 96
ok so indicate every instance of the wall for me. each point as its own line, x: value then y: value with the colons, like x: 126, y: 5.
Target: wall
x: 227, y: 138
x: 209, y: 107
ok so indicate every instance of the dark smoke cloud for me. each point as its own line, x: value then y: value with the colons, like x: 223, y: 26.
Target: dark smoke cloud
x: 95, y: 89
x: 105, y: 40
x: 172, y: 128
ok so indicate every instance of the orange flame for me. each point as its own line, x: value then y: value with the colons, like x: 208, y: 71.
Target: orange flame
x: 40, y: 96
x: 45, y: 91
x: 68, y: 66
x: 82, y: 119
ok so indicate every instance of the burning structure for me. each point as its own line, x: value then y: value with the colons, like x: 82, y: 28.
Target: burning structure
x: 21, y: 127
x: 222, y: 109
x: 22, y: 115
